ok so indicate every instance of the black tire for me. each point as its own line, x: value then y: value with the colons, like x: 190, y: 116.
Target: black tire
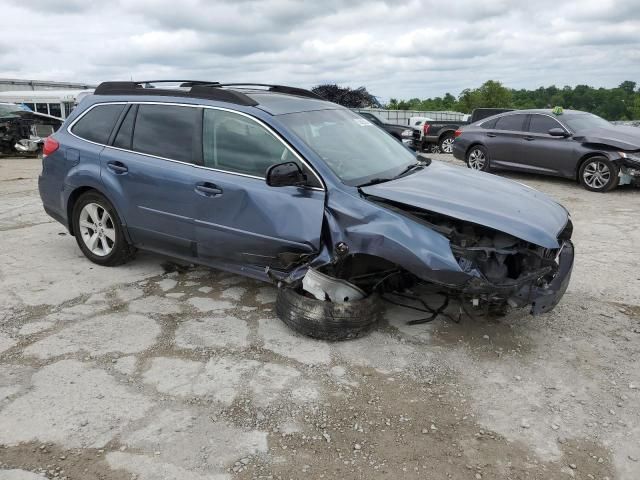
x: 121, y: 252
x: 587, y: 174
x: 472, y: 161
x: 445, y: 144
x: 327, y: 320
x: 432, y: 148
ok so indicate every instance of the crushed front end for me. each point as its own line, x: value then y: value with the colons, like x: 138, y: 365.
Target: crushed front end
x: 503, y: 269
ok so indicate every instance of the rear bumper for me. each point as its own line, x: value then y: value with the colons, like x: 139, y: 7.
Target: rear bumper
x: 458, y: 151
x: 48, y: 197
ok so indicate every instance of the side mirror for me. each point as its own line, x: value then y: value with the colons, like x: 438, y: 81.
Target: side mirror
x: 285, y: 174
x: 558, y: 132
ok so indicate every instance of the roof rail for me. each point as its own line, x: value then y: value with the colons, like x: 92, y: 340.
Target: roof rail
x: 199, y: 89
x: 301, y: 92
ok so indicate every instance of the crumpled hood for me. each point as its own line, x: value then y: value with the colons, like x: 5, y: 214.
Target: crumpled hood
x: 622, y: 137
x: 480, y: 198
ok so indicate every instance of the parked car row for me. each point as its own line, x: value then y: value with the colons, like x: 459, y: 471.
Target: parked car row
x: 570, y: 143
x: 406, y: 134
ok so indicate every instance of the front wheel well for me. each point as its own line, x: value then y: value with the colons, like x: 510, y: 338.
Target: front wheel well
x: 369, y: 272
x: 583, y: 160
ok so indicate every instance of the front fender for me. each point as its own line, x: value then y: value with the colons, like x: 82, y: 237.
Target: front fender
x: 367, y: 228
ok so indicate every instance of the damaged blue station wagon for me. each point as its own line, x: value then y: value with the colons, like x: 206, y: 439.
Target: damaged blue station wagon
x: 277, y: 184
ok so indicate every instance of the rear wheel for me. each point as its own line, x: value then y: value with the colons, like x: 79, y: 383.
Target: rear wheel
x: 327, y: 320
x: 478, y: 158
x: 446, y: 143
x: 598, y: 174
x: 98, y: 231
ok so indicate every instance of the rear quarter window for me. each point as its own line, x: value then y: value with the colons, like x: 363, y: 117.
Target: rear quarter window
x: 489, y: 123
x: 96, y: 125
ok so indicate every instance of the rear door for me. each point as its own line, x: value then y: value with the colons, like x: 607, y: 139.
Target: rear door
x: 239, y: 218
x: 148, y: 171
x: 544, y: 153
x: 505, y: 141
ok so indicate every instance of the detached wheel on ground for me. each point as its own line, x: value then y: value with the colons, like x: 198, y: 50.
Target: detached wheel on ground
x: 327, y: 320
x: 446, y: 143
x: 598, y: 174
x: 98, y: 231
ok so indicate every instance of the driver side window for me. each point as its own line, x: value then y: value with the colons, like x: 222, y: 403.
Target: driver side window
x: 235, y: 143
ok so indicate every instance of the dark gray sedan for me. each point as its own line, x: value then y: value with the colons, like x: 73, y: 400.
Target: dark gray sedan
x: 569, y: 143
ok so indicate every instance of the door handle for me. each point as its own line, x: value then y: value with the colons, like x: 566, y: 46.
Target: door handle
x: 491, y: 135
x: 208, y: 189
x: 117, y: 167
x: 529, y: 139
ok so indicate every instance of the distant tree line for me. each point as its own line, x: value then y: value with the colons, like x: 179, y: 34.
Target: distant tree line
x: 619, y: 103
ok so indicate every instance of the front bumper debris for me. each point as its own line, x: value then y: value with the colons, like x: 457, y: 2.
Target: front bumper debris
x: 527, y: 290
x: 545, y: 300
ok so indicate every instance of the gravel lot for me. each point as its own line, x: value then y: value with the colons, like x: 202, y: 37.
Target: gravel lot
x: 149, y: 372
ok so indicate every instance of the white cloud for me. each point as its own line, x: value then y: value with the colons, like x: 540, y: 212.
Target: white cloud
x: 405, y: 48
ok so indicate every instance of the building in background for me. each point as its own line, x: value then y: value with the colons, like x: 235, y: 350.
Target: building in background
x: 7, y: 84
x: 51, y: 98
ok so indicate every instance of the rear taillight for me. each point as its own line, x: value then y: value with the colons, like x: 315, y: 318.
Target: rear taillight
x: 50, y: 146
x: 457, y: 133
x: 425, y: 128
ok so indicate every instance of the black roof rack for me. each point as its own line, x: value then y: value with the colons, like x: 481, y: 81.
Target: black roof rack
x: 199, y: 89
x: 301, y: 92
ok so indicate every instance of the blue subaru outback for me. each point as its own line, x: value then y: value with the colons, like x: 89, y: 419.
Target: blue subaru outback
x: 277, y: 184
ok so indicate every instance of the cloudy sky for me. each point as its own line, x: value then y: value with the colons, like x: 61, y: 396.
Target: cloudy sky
x: 396, y: 48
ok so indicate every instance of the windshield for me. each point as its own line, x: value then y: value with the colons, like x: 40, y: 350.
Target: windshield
x: 357, y: 151
x: 584, y: 121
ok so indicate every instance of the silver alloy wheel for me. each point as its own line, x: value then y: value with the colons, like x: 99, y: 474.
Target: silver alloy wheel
x: 596, y: 174
x: 447, y: 145
x: 97, y: 229
x: 477, y: 159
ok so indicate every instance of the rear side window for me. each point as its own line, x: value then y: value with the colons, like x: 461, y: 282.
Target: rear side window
x: 168, y: 131
x: 511, y: 122
x: 542, y: 124
x: 97, y: 123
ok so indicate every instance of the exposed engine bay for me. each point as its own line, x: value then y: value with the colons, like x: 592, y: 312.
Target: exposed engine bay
x: 23, y: 131
x: 500, y: 270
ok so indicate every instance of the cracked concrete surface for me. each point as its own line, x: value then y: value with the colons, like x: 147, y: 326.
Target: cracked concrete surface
x: 138, y: 371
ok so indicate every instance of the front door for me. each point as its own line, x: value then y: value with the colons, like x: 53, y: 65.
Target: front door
x: 239, y: 219
x: 545, y: 153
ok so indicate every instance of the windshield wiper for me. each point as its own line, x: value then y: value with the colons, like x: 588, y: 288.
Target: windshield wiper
x: 374, y: 181
x: 405, y: 171
x: 410, y: 168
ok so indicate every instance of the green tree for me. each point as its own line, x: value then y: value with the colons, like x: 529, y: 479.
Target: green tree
x: 619, y: 103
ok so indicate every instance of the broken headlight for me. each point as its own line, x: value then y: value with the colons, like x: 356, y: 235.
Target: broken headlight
x: 634, y: 157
